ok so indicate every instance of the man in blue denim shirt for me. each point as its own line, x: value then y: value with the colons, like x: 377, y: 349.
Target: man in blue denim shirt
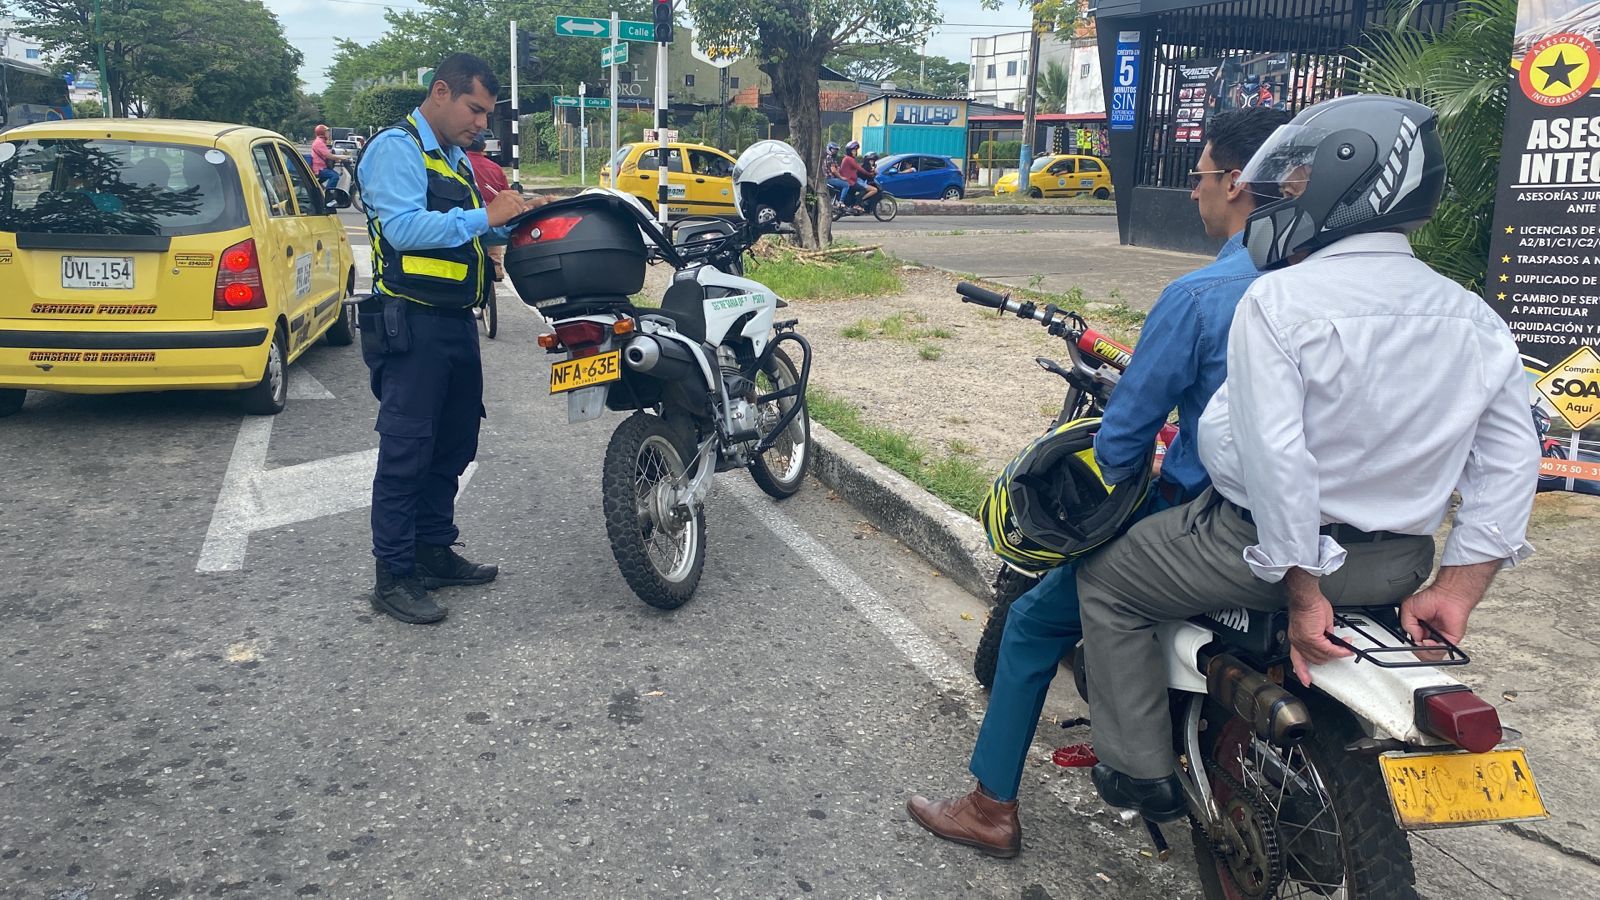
x: 1180, y: 361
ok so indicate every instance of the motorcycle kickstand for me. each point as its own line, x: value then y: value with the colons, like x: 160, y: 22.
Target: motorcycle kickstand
x: 1163, y: 850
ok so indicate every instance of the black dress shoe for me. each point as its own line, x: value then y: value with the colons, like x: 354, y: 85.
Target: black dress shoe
x: 444, y: 567
x: 1157, y: 799
x: 404, y: 598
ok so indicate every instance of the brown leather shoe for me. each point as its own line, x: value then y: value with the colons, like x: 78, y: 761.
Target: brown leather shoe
x: 975, y: 820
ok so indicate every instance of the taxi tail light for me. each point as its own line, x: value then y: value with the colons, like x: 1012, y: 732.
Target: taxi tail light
x: 552, y: 229
x: 1454, y: 713
x: 239, y: 279
x: 582, y: 338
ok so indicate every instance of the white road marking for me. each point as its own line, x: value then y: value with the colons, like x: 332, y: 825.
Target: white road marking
x: 305, y: 386
x: 927, y: 656
x: 256, y: 498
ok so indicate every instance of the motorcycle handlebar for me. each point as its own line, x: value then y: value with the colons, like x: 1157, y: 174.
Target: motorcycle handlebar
x: 971, y: 293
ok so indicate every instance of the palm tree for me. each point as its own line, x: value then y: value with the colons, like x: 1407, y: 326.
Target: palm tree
x: 1054, y: 88
x: 1460, y: 71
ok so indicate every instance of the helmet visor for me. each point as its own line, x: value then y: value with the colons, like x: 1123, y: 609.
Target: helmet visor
x: 1282, y: 167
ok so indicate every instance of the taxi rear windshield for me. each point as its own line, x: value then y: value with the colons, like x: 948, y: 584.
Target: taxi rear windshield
x: 117, y: 187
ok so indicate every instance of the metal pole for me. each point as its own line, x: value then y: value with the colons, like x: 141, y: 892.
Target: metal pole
x: 616, y: 27
x: 1026, y: 160
x: 661, y: 132
x: 100, y: 54
x: 516, y: 112
x: 583, y: 135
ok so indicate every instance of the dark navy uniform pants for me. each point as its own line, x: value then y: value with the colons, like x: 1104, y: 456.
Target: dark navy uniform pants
x: 430, y: 404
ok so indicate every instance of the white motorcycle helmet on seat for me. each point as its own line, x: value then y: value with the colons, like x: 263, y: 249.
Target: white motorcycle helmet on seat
x: 769, y: 176
x: 632, y: 201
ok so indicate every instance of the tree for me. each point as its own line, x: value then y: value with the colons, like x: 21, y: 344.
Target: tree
x: 901, y: 63
x: 793, y: 38
x: 307, y: 115
x: 1055, y: 88
x: 88, y: 109
x: 385, y: 104
x: 202, y: 59
x: 419, y: 37
x: 739, y: 127
x: 1459, y: 71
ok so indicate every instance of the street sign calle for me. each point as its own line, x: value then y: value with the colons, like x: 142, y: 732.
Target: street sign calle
x: 585, y: 26
x: 614, y: 56
x: 596, y: 102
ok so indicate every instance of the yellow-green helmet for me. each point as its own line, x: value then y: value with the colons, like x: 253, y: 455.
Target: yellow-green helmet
x: 1050, y: 504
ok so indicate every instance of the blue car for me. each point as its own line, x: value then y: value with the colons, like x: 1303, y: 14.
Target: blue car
x: 917, y: 176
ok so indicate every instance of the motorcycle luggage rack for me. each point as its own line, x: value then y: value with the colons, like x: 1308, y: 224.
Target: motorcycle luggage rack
x: 1394, y: 642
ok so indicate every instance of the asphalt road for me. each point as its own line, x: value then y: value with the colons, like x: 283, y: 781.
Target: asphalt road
x: 198, y: 700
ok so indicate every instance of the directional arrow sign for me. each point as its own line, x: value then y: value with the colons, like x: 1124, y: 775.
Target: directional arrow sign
x: 583, y: 26
x: 567, y: 101
x: 607, y: 59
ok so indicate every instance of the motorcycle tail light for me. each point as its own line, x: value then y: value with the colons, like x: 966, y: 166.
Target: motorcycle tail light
x: 582, y: 338
x: 552, y: 229
x: 1457, y: 715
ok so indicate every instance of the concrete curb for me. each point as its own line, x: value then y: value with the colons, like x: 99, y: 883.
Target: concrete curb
x: 952, y: 542
x: 964, y: 208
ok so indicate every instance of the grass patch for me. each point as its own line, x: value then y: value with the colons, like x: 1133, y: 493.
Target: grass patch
x: 548, y: 174
x: 1018, y: 199
x: 840, y: 278
x: 930, y: 352
x: 1116, y: 320
x: 901, y: 326
x: 959, y: 482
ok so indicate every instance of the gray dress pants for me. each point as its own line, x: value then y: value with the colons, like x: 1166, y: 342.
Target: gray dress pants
x: 1180, y: 563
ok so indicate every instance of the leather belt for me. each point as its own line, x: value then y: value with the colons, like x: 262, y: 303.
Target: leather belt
x: 443, y: 312
x: 1344, y: 534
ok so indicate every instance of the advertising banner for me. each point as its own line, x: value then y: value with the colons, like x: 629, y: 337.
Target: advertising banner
x: 1544, y: 256
x: 1125, y: 89
x: 1193, y: 100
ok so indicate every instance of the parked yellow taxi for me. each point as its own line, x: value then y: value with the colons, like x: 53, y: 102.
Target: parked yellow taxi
x: 1062, y: 176
x: 699, y: 178
x: 149, y: 255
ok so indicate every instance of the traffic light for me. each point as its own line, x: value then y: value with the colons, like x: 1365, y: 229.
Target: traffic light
x: 663, y: 21
x: 527, y: 53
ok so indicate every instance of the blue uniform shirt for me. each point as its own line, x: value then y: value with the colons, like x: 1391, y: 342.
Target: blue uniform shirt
x: 394, y: 188
x: 1181, y: 360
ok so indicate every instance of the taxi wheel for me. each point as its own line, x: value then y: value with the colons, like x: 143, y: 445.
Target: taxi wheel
x: 1102, y: 194
x: 268, y: 397
x: 1035, y: 193
x: 11, y: 401
x: 343, y: 331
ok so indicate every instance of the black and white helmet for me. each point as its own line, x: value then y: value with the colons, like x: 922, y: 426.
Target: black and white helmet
x: 769, y: 175
x: 1351, y: 165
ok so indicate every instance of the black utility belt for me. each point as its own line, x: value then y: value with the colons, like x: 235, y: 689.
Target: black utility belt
x: 1344, y: 534
x: 445, y: 312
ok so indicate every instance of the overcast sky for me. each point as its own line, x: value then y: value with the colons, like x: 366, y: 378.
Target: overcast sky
x: 312, y: 25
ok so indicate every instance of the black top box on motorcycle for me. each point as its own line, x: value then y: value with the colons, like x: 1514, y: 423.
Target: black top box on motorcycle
x: 581, y: 251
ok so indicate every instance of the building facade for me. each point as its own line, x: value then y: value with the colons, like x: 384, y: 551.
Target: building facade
x: 998, y: 71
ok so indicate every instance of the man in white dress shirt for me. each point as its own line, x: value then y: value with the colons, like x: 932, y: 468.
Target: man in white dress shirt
x: 1363, y: 389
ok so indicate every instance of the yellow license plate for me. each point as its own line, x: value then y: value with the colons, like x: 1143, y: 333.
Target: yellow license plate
x: 586, y: 372
x: 1444, y: 790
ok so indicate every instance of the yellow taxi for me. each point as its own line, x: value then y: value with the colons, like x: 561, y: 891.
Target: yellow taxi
x: 699, y: 178
x: 149, y: 255
x: 1066, y: 175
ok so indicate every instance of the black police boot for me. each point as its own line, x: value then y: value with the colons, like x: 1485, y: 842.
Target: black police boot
x: 404, y: 597
x: 1157, y: 799
x: 444, y: 567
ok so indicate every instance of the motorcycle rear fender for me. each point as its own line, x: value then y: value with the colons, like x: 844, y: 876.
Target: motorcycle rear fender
x: 1380, y: 698
x: 585, y: 404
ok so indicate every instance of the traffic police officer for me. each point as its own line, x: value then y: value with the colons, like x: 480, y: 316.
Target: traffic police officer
x: 418, y: 336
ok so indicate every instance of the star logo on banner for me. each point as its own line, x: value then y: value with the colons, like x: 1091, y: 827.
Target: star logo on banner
x: 1500, y: 296
x: 1504, y: 279
x: 1505, y: 259
x: 1510, y: 230
x: 1559, y: 69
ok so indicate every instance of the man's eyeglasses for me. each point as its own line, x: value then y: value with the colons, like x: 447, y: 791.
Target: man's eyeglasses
x: 1195, y: 175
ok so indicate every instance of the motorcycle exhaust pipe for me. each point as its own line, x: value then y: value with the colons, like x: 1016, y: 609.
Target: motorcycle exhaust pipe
x: 1277, y: 716
x: 659, y: 359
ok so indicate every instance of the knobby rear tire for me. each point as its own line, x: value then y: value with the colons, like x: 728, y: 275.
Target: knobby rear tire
x: 624, y: 528
x: 1008, y: 586
x: 1375, y: 854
